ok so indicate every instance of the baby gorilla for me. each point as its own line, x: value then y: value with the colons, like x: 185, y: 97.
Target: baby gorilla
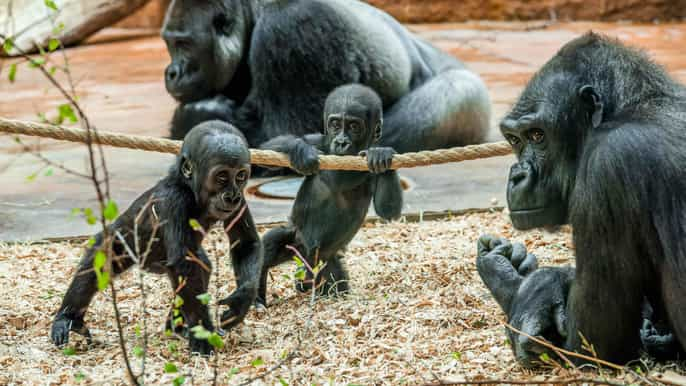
x: 331, y: 205
x: 206, y: 184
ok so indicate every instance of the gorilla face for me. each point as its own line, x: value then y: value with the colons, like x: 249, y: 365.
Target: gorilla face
x: 544, y: 129
x: 352, y: 118
x: 206, y: 40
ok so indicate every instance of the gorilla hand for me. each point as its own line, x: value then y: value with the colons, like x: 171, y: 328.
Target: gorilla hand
x: 535, y: 300
x: 379, y: 159
x: 63, y: 324
x: 191, y: 114
x: 304, y: 158
x: 239, y: 303
x: 659, y: 341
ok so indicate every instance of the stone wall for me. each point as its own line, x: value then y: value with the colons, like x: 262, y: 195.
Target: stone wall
x: 433, y: 11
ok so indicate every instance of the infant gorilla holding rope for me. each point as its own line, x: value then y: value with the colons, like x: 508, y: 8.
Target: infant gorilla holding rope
x: 331, y: 205
x: 206, y: 184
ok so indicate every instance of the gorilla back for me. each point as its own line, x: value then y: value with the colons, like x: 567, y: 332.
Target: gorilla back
x: 599, y: 134
x: 279, y: 60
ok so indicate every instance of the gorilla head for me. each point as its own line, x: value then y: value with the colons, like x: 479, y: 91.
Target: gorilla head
x: 206, y: 40
x: 215, y: 163
x: 352, y: 118
x: 546, y: 128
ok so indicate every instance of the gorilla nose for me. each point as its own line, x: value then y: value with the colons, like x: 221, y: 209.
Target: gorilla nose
x: 521, y: 174
x: 173, y: 72
x: 231, y: 198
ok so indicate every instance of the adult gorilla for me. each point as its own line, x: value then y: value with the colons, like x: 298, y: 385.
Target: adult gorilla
x: 267, y: 67
x: 600, y: 138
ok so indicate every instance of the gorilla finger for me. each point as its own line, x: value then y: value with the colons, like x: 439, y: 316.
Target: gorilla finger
x: 498, y: 241
x: 500, y: 278
x: 529, y: 265
x: 518, y: 254
x: 483, y: 245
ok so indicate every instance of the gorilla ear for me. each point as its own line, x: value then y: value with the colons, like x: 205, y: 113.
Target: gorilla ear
x: 186, y: 167
x: 378, y: 130
x: 591, y: 97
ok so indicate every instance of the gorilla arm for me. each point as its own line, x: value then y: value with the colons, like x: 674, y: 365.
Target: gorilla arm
x: 247, y: 259
x: 303, y: 152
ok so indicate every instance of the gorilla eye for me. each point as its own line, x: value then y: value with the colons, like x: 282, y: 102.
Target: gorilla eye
x: 335, y: 124
x: 222, y: 178
x: 513, y: 140
x: 355, y: 127
x: 241, y: 176
x: 536, y: 135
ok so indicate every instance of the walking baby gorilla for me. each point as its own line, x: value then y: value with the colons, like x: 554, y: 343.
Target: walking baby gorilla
x: 206, y: 184
x: 599, y: 134
x: 331, y: 206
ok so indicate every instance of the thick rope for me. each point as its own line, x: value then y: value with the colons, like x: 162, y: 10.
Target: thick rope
x: 259, y: 157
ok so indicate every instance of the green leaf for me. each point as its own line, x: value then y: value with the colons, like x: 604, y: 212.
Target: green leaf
x: 232, y: 372
x: 79, y: 377
x: 91, y: 241
x: 200, y: 332
x: 195, y: 225
x: 99, y: 260
x: 31, y: 177
x: 204, y: 298
x: 178, y: 301
x: 282, y: 382
x: 300, y: 274
x: 51, y: 4
x: 178, y: 321
x: 111, y: 210
x: 53, y: 44
x: 137, y: 330
x: 58, y: 29
x: 172, y: 347
x: 257, y: 362
x: 52, y: 70
x: 138, y: 352
x: 36, y: 62
x: 48, y: 172
x: 170, y: 368
x: 91, y: 220
x: 456, y: 355
x: 103, y: 279
x: 298, y: 262
x: 178, y: 381
x: 12, y: 73
x: 67, y: 112
x: 544, y: 358
x: 284, y: 354
x: 215, y: 340
x: 168, y: 333
x: 69, y: 351
x: 7, y: 45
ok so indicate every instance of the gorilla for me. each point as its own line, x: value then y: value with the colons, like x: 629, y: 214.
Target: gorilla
x: 206, y: 183
x: 599, y: 134
x: 331, y: 205
x: 267, y: 66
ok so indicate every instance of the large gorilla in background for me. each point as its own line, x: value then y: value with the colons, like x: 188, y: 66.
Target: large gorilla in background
x: 267, y: 66
x: 600, y: 138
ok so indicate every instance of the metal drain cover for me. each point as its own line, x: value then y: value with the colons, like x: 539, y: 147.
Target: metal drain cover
x: 285, y: 188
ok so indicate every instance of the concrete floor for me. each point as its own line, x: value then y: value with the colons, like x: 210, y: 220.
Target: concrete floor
x: 120, y: 84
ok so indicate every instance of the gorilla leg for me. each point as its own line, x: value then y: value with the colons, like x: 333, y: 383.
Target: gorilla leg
x: 275, y: 253
x: 335, y: 277
x: 78, y: 297
x: 452, y: 109
x: 192, y: 310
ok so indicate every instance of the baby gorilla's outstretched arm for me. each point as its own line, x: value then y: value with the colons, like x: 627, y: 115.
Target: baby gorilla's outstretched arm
x: 303, y: 152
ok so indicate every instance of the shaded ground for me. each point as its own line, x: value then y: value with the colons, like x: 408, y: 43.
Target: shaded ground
x: 418, y: 311
x: 122, y: 89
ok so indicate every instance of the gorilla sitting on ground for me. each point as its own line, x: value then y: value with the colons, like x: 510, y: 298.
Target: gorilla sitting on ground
x: 267, y: 66
x: 600, y: 138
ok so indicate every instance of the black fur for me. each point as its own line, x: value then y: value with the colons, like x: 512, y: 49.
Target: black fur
x: 212, y: 151
x: 600, y: 133
x: 331, y: 205
x: 284, y: 57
